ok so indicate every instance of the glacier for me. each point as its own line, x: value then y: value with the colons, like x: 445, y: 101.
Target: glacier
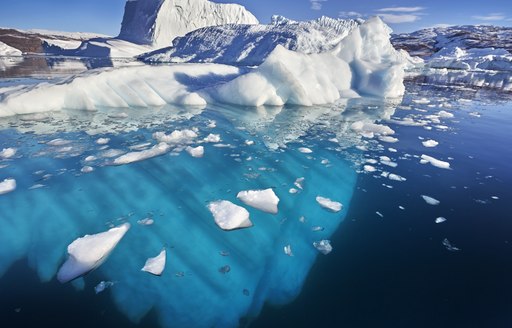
x: 363, y: 63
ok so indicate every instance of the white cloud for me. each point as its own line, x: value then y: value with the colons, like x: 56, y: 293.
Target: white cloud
x: 398, y: 19
x: 491, y: 17
x: 401, y: 9
x: 316, y: 4
x: 349, y: 14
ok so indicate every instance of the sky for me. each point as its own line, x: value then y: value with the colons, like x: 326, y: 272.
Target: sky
x: 104, y: 16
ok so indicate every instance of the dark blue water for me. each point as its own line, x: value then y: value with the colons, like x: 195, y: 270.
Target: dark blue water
x: 387, y: 270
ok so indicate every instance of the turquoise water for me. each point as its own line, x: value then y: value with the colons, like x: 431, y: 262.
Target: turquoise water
x: 388, y: 259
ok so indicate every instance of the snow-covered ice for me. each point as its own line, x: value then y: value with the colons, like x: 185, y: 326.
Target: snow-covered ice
x: 156, y: 265
x: 328, y: 204
x: 229, y: 216
x: 89, y: 252
x: 263, y: 200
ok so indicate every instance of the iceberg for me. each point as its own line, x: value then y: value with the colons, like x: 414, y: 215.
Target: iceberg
x: 229, y: 216
x: 263, y: 200
x: 89, y: 252
x: 156, y: 265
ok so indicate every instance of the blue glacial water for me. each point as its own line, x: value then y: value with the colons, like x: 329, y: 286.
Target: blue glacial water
x: 388, y: 268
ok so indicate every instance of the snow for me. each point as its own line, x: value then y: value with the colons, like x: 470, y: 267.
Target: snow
x: 7, y: 51
x: 7, y: 185
x: 434, y: 162
x: 430, y: 200
x: 137, y: 156
x: 89, y: 252
x: 323, y: 246
x: 263, y: 200
x: 7, y: 153
x: 250, y: 45
x: 430, y: 143
x: 229, y: 216
x: 326, y: 203
x: 158, y: 22
x: 156, y: 265
x: 197, y: 152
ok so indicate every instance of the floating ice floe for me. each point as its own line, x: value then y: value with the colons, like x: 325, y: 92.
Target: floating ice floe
x: 102, y: 286
x: 305, y: 150
x: 449, y: 246
x: 146, y: 221
x: 299, y: 183
x: 434, y: 162
x: 7, y: 153
x: 197, y: 152
x: 229, y: 216
x: 323, y: 246
x: 430, y: 200
x: 7, y: 186
x: 329, y: 204
x: 440, y: 219
x: 396, y: 177
x: 369, y: 168
x: 156, y: 265
x: 263, y: 200
x: 102, y: 141
x: 445, y: 114
x: 87, y: 169
x: 388, y: 139
x: 89, y: 252
x: 132, y: 157
x: 176, y: 137
x: 288, y: 250
x: 213, y: 138
x: 430, y: 143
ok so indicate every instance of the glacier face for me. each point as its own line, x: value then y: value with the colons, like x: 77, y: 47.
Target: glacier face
x: 158, y: 22
x: 250, y: 45
x: 363, y: 63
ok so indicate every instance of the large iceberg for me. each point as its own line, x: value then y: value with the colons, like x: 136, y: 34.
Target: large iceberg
x: 363, y: 63
x: 249, y: 45
x: 158, y: 22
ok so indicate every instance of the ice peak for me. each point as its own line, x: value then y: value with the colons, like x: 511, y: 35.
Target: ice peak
x: 158, y: 22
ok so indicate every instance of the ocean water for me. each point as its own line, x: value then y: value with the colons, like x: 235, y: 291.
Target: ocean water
x: 392, y: 265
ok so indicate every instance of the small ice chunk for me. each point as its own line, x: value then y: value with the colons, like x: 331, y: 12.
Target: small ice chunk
x: 225, y: 269
x: 89, y: 252
x: 422, y: 101
x: 429, y: 200
x: 7, y: 186
x: 299, y: 183
x: 430, y: 143
x: 197, y: 152
x: 58, y: 142
x: 323, y: 246
x: 434, y: 162
x: 249, y: 142
x: 305, y: 150
x: 396, y: 177
x: 401, y: 207
x: 293, y: 191
x: 146, y: 221
x: 212, y: 124
x: 7, y: 153
x: 369, y: 168
x: 90, y: 158
x: 388, y: 139
x: 36, y: 186
x: 229, y: 216
x: 137, y: 156
x: 102, y: 286
x: 449, y: 246
x: 329, y: 204
x: 288, y: 250
x: 379, y: 214
x: 156, y: 265
x: 263, y: 200
x: 317, y: 228
x: 495, y: 197
x: 103, y: 141
x: 176, y: 137
x: 213, y: 138
x: 445, y: 114
x: 440, y: 220
x: 87, y: 169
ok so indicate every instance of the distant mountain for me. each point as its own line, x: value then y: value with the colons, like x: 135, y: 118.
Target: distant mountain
x: 158, y: 22
x: 249, y: 45
x: 424, y: 43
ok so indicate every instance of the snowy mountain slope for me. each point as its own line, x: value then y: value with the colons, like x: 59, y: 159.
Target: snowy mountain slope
x: 249, y: 45
x: 158, y: 22
x: 6, y: 50
x: 472, y: 59
x: 426, y: 42
x: 364, y: 63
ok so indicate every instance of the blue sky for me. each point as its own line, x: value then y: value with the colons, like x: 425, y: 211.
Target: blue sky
x: 104, y: 16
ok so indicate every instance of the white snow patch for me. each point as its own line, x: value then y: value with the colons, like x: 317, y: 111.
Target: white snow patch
x: 263, y: 200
